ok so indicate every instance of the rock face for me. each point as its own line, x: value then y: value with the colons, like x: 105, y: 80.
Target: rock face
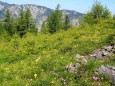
x: 99, y: 53
x: 39, y: 13
x: 108, y: 71
x: 81, y: 61
x: 106, y: 51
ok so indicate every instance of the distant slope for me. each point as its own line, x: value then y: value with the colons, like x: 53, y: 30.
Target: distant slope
x: 39, y: 13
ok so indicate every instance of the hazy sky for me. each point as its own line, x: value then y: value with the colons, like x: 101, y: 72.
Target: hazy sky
x: 79, y: 5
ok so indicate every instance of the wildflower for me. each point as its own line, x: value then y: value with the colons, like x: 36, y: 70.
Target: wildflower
x: 95, y: 78
x: 35, y: 75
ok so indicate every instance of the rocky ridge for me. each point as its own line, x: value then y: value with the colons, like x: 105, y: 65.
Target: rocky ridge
x: 96, y: 54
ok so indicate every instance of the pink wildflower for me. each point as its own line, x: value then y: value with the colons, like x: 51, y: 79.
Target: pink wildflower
x: 95, y: 78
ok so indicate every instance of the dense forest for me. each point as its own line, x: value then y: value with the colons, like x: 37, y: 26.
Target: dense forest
x: 32, y: 58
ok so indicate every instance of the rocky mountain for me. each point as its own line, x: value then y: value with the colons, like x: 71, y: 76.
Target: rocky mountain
x: 39, y: 13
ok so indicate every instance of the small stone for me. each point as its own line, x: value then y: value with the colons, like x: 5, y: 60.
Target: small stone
x: 92, y: 55
x: 72, y: 69
x: 114, y: 47
x: 108, y: 48
x: 82, y: 57
x: 105, y: 53
x: 109, y: 71
x: 77, y: 56
x: 113, y: 68
x: 97, y: 54
x: 77, y: 65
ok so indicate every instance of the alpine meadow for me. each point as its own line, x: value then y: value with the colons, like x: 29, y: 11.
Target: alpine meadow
x: 56, y: 47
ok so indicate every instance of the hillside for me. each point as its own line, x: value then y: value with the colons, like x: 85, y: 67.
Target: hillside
x: 39, y: 13
x: 60, y: 54
x: 41, y: 60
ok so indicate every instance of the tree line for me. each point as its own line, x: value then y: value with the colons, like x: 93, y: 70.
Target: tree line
x: 21, y: 25
x: 98, y: 12
x: 25, y: 23
x: 56, y: 21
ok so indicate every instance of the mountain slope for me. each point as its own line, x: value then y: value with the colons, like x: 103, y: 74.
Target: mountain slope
x: 39, y: 13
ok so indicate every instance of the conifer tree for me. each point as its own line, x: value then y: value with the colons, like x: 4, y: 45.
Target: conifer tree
x: 96, y: 13
x: 67, y: 23
x: 25, y: 23
x: 8, y: 23
x: 44, y: 28
x: 29, y: 21
x: 54, y: 21
x: 106, y: 14
x: 21, y: 27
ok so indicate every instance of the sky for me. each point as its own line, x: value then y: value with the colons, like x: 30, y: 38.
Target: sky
x: 79, y: 5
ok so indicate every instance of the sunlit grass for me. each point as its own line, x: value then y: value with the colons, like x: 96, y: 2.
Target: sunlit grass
x: 41, y: 60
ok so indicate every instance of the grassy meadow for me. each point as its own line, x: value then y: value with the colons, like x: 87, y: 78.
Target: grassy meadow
x: 40, y: 60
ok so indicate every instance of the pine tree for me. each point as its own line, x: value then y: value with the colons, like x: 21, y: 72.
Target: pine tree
x: 2, y: 30
x: 8, y: 23
x: 67, y: 23
x: 21, y: 27
x: 97, y: 10
x: 54, y: 21
x: 29, y: 21
x: 44, y: 28
x: 25, y: 23
x: 106, y: 14
x: 96, y: 13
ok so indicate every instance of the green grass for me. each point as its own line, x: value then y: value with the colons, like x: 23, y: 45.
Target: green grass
x: 41, y: 60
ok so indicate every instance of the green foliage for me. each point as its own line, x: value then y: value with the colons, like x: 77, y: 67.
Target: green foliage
x: 111, y: 39
x: 2, y: 30
x: 30, y: 24
x: 41, y: 59
x: 54, y: 21
x: 106, y: 14
x: 25, y: 23
x: 8, y: 23
x: 97, y: 10
x: 67, y: 23
x: 44, y: 28
x: 96, y: 13
x: 20, y: 26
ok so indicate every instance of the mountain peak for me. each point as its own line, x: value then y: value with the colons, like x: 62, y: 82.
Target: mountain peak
x: 39, y: 13
x: 3, y: 3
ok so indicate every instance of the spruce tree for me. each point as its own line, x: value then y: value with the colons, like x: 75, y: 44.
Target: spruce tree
x: 44, y: 28
x: 29, y: 21
x: 8, y: 23
x: 96, y: 13
x: 25, y: 23
x: 67, y: 23
x: 106, y: 14
x: 54, y: 21
x: 21, y: 27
